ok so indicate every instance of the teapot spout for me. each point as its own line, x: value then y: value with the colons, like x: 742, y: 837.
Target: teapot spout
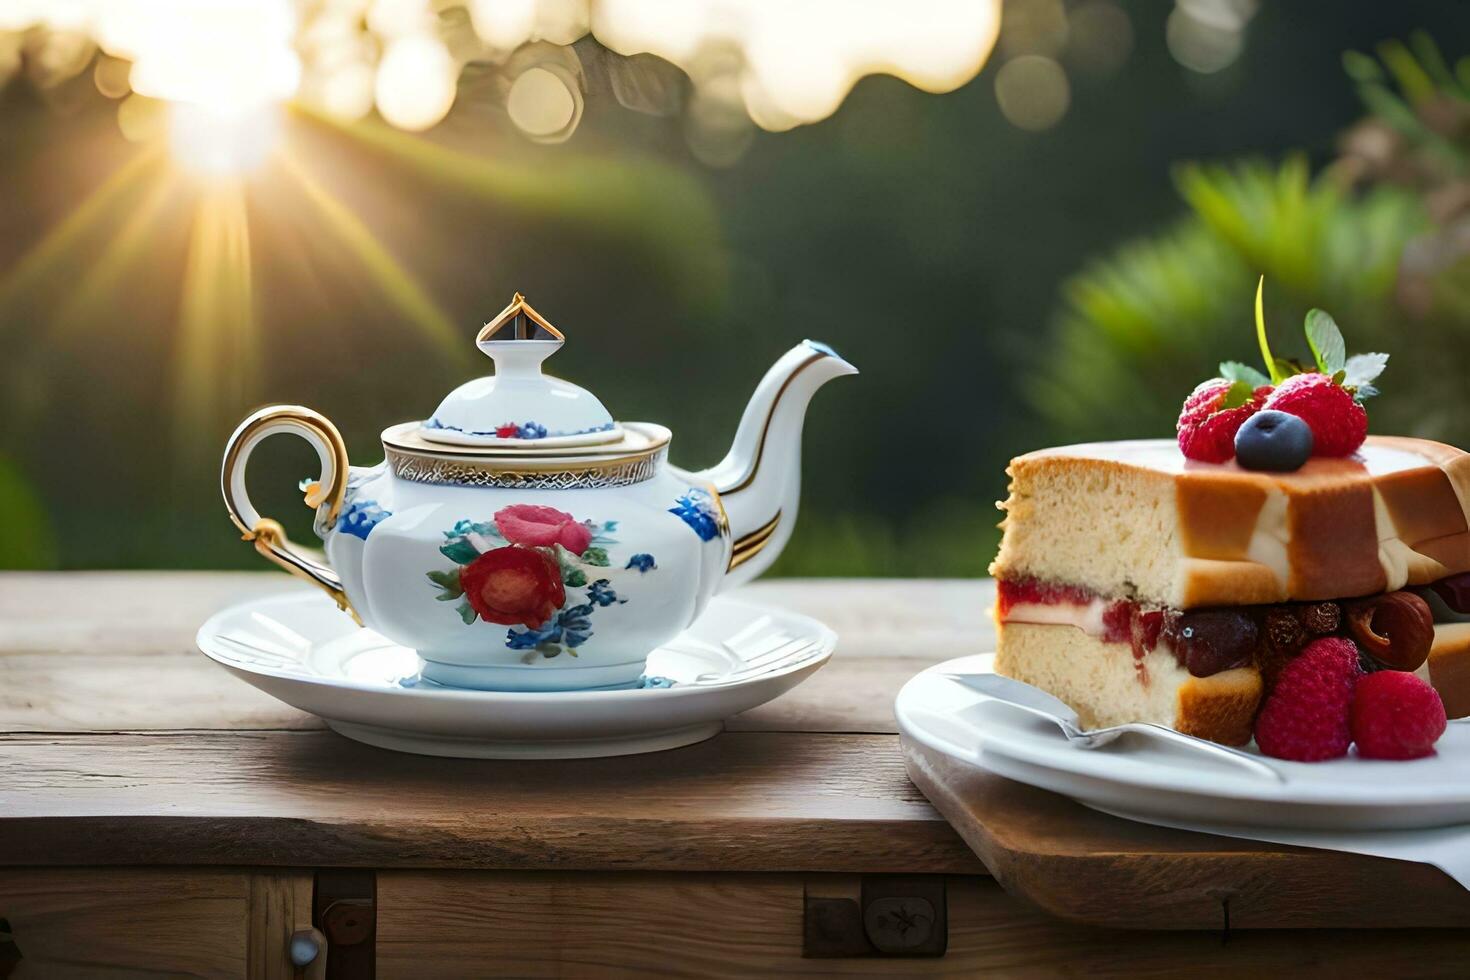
x: 759, y: 480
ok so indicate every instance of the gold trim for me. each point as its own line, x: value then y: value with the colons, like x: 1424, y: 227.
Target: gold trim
x: 753, y: 543
x: 270, y: 540
x: 760, y: 449
x: 723, y: 517
x: 267, y: 535
x: 517, y: 306
x: 519, y: 475
x: 638, y: 439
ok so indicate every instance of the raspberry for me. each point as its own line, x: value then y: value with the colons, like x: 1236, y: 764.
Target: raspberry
x: 1321, y: 618
x: 1395, y: 715
x: 1206, y: 432
x: 1306, y: 717
x: 1339, y: 424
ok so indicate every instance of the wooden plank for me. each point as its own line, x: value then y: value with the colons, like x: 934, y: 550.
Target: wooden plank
x: 280, y: 904
x: 124, y: 659
x: 114, y: 651
x: 1090, y: 867
x: 746, y: 801
x: 127, y: 922
x: 738, y: 925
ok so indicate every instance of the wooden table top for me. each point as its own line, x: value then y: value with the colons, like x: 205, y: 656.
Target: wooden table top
x: 124, y: 745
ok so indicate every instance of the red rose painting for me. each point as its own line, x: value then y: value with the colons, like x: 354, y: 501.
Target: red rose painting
x: 514, y: 586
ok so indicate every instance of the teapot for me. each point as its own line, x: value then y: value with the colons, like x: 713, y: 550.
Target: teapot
x: 520, y: 539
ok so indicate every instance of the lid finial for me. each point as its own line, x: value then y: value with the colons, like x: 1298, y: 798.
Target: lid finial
x: 518, y: 321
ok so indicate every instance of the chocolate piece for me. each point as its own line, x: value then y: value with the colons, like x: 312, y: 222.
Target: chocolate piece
x: 1285, y: 633
x: 1320, y: 618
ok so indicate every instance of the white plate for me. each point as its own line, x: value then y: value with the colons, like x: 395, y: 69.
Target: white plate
x: 301, y: 649
x: 1138, y: 776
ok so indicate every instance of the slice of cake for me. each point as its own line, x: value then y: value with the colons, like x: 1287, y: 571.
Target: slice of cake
x: 1138, y: 585
x: 1241, y: 580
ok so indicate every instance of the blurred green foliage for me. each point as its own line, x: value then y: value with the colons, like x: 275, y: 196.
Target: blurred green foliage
x: 1139, y: 327
x: 26, y: 540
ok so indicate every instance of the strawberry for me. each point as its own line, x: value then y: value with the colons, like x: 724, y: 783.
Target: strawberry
x: 1338, y: 423
x: 1212, y: 414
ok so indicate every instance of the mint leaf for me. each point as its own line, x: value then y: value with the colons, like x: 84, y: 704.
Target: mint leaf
x: 1363, y: 368
x: 1326, y: 342
x: 595, y: 556
x: 1236, y: 371
x: 1237, y: 395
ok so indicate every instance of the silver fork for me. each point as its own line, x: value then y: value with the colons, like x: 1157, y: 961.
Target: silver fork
x: 1033, y: 700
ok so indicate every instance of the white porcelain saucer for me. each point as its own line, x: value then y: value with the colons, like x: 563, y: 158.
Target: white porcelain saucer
x: 1147, y: 779
x: 301, y: 649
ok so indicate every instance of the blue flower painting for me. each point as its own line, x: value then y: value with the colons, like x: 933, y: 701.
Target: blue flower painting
x: 697, y: 509
x: 360, y: 517
x: 518, y: 430
x: 641, y: 561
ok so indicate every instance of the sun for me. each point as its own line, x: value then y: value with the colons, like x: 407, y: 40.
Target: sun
x: 224, y: 142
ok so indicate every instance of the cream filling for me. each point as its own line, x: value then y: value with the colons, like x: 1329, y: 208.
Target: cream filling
x: 1088, y: 617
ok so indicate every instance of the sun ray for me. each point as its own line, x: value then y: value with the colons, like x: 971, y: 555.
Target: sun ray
x: 396, y: 282
x: 128, y: 247
x: 664, y: 206
x: 59, y: 242
x: 216, y: 360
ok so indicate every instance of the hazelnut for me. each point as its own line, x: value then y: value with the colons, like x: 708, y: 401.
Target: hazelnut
x: 1395, y: 629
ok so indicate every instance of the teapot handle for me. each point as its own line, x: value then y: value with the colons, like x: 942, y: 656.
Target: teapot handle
x: 325, y: 494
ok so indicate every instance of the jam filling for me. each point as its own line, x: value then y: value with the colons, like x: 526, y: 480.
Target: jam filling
x: 1204, y: 641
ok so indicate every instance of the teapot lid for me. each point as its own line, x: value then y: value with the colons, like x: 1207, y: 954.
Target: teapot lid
x: 518, y: 407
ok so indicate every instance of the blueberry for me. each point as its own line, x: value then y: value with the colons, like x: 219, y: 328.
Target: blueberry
x: 1271, y: 440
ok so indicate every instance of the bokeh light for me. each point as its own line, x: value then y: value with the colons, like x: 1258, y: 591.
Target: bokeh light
x: 1101, y: 37
x: 1033, y: 92
x: 415, y: 84
x: 1035, y: 27
x: 543, y: 104
x: 794, y: 64
x: 1206, y: 36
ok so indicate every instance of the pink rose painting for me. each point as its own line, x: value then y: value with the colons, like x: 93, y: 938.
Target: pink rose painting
x: 541, y: 527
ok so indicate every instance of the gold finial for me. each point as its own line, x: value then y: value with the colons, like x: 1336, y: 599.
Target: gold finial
x: 524, y: 321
